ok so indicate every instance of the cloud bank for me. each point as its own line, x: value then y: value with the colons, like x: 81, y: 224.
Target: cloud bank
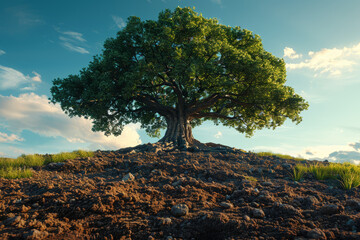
x: 334, y: 61
x: 2, y: 52
x: 11, y: 78
x: 33, y: 112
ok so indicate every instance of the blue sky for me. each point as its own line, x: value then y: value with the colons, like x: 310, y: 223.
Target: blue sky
x: 319, y: 41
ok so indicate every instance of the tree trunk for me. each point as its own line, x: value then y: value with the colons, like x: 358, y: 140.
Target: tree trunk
x: 179, y: 132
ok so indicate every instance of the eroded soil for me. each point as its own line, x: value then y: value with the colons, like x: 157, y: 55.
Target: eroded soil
x: 230, y: 194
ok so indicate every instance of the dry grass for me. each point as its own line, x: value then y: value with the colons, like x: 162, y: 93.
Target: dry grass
x: 20, y: 167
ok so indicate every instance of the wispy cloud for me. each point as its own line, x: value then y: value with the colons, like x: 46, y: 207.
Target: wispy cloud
x: 74, y: 36
x: 11, y: 78
x: 73, y: 41
x: 25, y: 16
x: 334, y: 61
x: 2, y: 52
x: 5, y: 138
x: 34, y: 113
x: 218, y: 134
x: 290, y: 53
x: 74, y: 48
x: 120, y: 23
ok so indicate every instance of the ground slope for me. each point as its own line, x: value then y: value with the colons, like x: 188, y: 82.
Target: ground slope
x: 220, y: 193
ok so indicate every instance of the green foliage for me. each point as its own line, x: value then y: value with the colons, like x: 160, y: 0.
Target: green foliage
x: 284, y: 156
x: 11, y: 172
x: 349, y: 179
x: 181, y: 62
x: 347, y: 174
x: 298, y: 172
x: 19, y: 167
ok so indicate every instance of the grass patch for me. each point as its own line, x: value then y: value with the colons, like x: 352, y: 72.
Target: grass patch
x: 298, y: 172
x: 11, y: 173
x: 284, y: 156
x: 347, y: 174
x: 20, y: 167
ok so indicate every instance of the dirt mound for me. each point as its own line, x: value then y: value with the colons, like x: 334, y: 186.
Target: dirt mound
x: 160, y: 193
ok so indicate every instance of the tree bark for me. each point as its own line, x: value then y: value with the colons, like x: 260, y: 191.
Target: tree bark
x: 179, y: 131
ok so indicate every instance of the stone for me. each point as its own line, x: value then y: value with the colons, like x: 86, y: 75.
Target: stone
x: 258, y: 213
x: 331, y: 209
x: 13, y: 220
x: 56, y: 164
x: 316, y: 234
x: 128, y: 177
x: 246, y: 218
x: 353, y: 204
x: 36, y: 234
x: 165, y: 221
x: 267, y: 184
x: 180, y: 210
x: 226, y: 205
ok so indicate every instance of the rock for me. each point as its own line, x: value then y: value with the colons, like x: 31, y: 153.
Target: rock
x: 353, y: 204
x: 258, y: 213
x: 267, y: 184
x: 180, y: 210
x: 226, y: 205
x: 56, y: 164
x: 165, y: 221
x: 331, y: 209
x: 36, y: 234
x: 169, y: 238
x: 132, y: 152
x: 128, y: 177
x: 246, y: 218
x: 177, y: 183
x: 286, y: 209
x: 13, y: 220
x: 316, y: 234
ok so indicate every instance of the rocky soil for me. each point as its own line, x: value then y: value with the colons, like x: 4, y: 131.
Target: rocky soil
x: 154, y: 192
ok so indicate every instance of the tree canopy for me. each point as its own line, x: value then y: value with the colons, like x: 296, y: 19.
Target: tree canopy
x: 176, y: 72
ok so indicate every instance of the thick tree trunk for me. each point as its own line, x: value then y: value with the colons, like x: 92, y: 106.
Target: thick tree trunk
x: 179, y: 132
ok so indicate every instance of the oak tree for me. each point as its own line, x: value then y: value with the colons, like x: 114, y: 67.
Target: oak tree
x: 176, y: 72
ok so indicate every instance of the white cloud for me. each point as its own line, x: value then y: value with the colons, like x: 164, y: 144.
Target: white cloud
x: 37, y: 77
x: 218, y: 134
x: 332, y: 153
x: 119, y: 21
x: 11, y: 78
x: 34, y: 113
x: 290, y: 53
x: 5, y: 138
x: 2, y: 52
x: 75, y: 36
x: 72, y: 41
x: 73, y: 48
x: 333, y: 61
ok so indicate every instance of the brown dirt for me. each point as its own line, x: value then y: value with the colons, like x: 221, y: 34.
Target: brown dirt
x: 87, y: 199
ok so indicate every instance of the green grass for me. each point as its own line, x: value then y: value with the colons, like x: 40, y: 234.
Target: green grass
x: 20, y: 167
x: 12, y: 173
x: 347, y: 174
x: 298, y: 172
x: 284, y: 156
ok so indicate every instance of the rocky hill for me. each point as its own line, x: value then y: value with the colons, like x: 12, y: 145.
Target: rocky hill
x: 154, y: 192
